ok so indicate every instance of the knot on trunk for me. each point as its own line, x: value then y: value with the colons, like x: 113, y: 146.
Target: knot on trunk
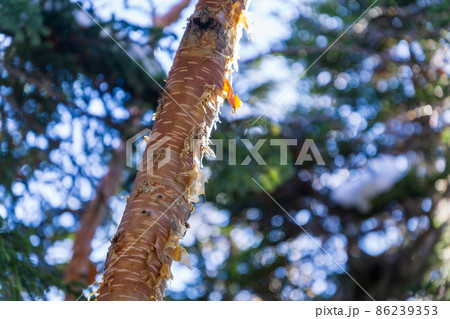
x: 204, y: 19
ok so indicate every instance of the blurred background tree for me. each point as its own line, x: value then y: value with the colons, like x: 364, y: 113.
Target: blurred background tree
x: 376, y: 104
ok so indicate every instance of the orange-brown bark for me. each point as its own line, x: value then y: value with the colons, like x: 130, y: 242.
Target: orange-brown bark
x: 81, y: 271
x: 160, y: 203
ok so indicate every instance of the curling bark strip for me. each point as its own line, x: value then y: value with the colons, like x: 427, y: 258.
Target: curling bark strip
x: 160, y: 203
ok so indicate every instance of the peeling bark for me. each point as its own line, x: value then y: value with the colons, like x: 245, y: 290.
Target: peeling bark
x: 81, y: 271
x: 160, y: 203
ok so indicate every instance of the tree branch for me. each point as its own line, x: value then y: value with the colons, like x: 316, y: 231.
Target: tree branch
x: 81, y: 271
x: 171, y: 16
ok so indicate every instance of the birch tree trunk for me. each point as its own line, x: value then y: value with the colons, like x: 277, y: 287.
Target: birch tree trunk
x: 170, y: 180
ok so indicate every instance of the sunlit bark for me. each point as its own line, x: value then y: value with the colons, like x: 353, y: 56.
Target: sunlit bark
x: 160, y: 203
